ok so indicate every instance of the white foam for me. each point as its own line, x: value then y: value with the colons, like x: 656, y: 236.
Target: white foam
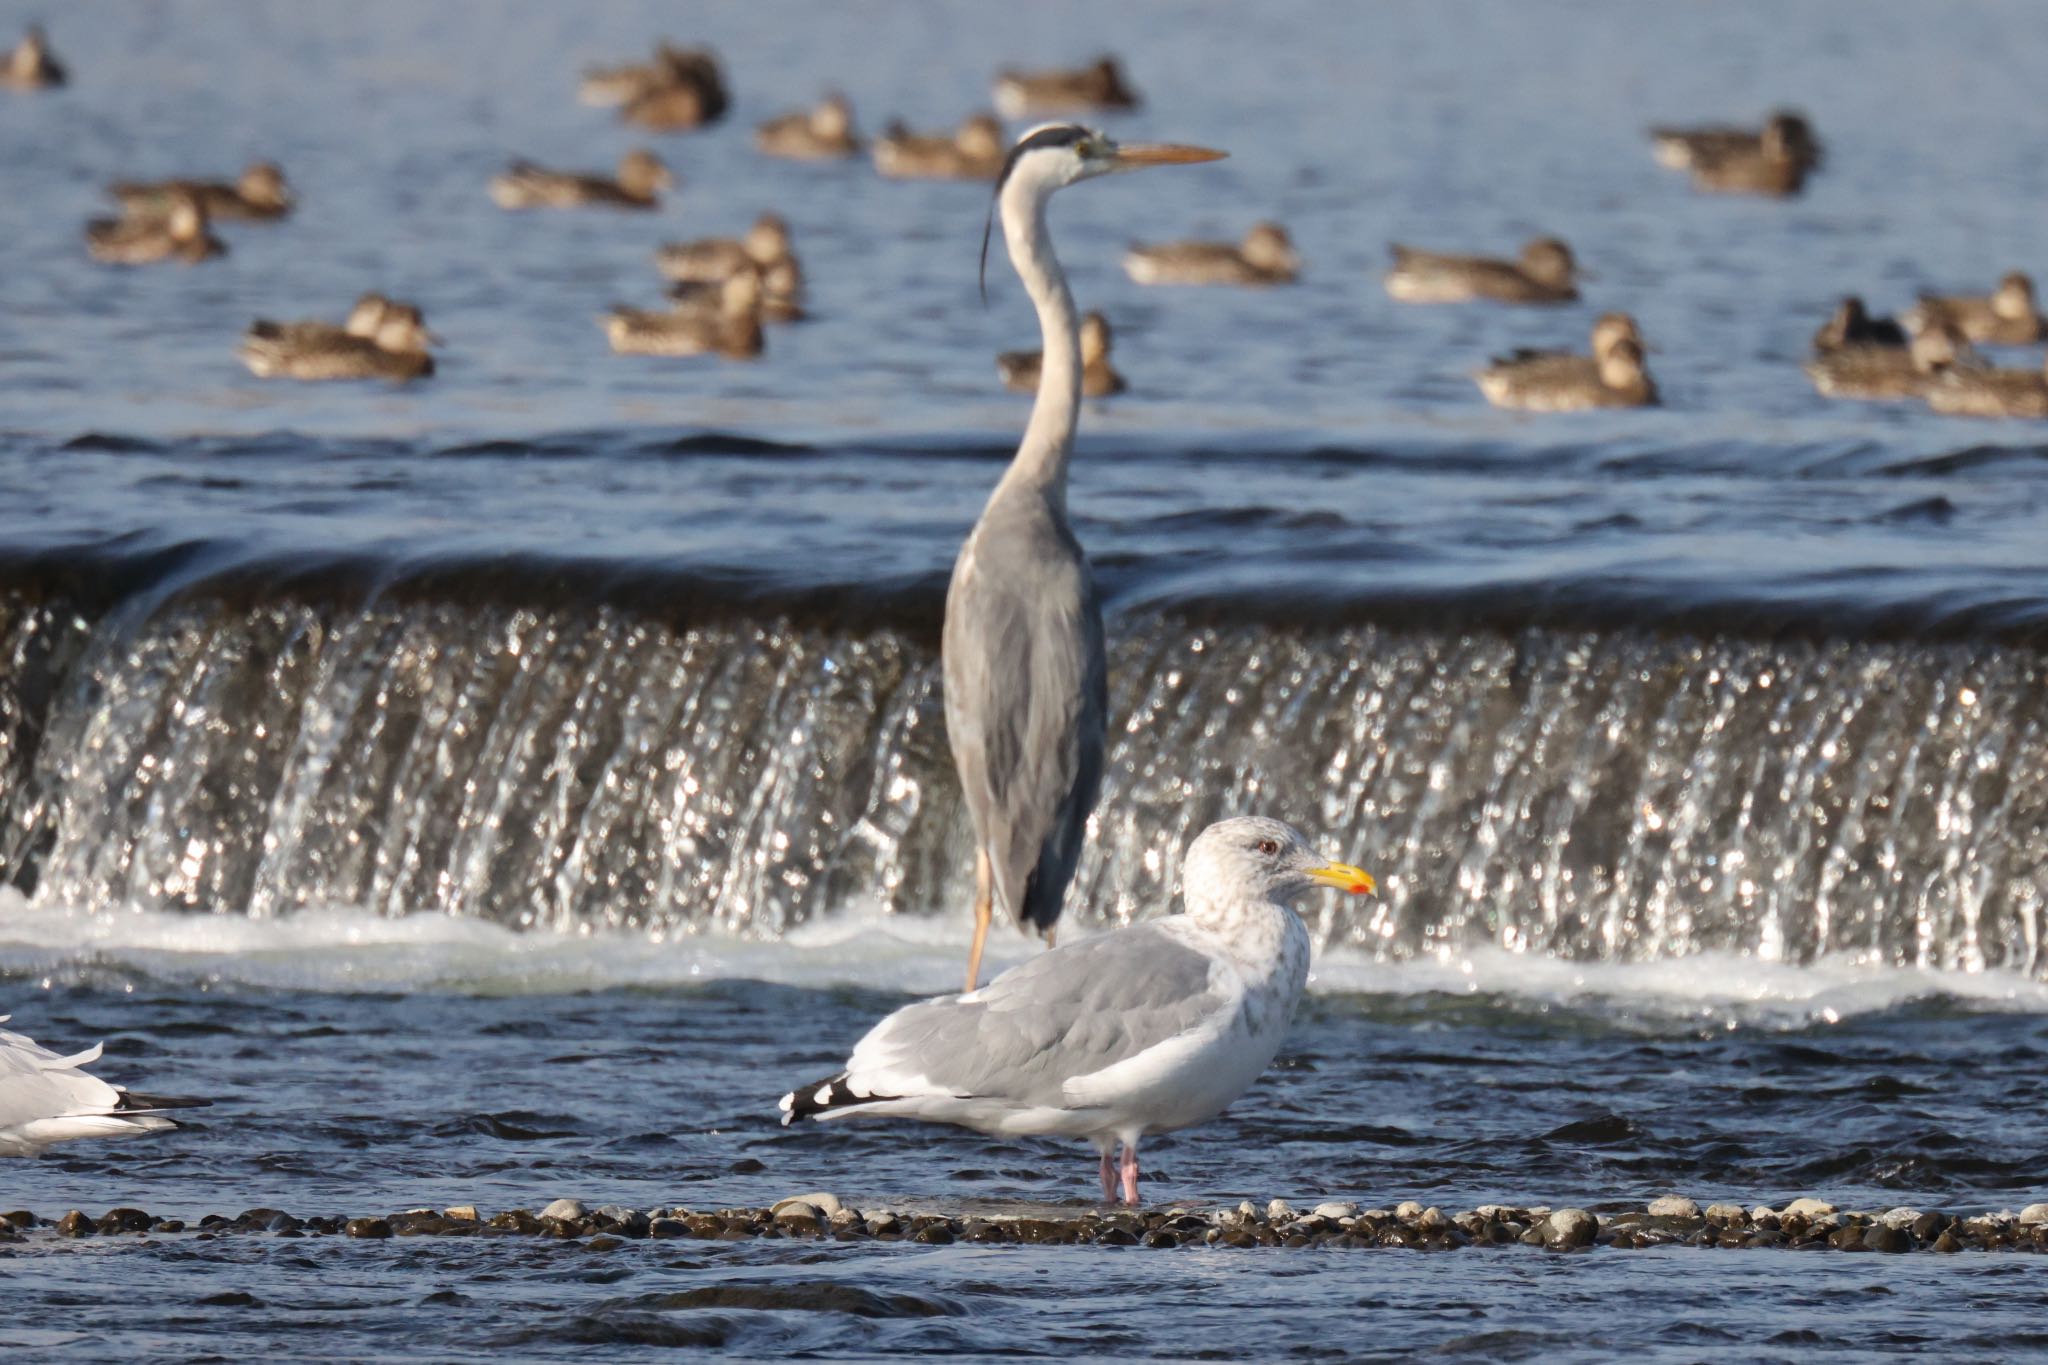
x: 350, y: 950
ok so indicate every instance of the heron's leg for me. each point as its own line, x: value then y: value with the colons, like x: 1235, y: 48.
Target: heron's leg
x: 984, y: 907
x: 1108, y: 1178
x: 1130, y: 1173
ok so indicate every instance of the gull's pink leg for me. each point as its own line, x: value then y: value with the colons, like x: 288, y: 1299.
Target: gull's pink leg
x: 1108, y: 1178
x: 1130, y: 1173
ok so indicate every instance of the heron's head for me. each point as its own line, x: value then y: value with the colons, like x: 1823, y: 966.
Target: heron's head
x: 1254, y: 856
x: 1053, y: 156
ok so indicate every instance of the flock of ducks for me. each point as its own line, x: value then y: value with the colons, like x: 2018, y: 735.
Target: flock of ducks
x: 721, y: 291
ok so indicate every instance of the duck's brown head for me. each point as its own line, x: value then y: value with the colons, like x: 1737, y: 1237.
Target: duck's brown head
x: 641, y: 173
x: 1549, y: 261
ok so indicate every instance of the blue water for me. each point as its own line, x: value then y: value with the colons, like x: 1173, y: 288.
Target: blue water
x: 1304, y: 458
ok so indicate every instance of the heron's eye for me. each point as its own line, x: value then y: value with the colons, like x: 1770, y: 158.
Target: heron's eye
x: 1269, y: 846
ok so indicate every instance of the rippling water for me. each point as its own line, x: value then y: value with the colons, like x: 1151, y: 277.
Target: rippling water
x: 503, y: 788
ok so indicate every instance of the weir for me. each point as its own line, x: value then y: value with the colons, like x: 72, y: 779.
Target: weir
x: 568, y: 763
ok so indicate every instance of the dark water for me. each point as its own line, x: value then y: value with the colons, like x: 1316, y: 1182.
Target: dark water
x: 502, y: 789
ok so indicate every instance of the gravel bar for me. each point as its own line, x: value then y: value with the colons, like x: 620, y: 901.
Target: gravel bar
x: 1803, y: 1224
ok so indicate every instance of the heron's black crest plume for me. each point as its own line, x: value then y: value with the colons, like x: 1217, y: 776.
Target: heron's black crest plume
x: 1057, y: 135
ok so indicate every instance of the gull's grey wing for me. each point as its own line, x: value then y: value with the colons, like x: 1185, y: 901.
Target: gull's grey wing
x: 1027, y: 702
x: 1067, y: 1012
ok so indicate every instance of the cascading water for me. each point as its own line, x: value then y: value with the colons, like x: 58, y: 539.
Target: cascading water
x: 1609, y: 795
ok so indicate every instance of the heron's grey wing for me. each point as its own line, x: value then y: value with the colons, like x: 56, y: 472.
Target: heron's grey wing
x: 1068, y: 1012
x: 1027, y: 702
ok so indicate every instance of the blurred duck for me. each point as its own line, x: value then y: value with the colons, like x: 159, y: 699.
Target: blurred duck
x: 975, y: 151
x: 1852, y: 325
x: 1020, y: 369
x: 610, y: 86
x: 178, y: 234
x: 1879, y: 369
x: 1613, y: 376
x: 1775, y: 162
x: 396, y: 350
x: 260, y: 194
x: 765, y: 248
x: 1682, y: 149
x: 1546, y: 273
x: 1961, y: 391
x: 688, y: 91
x: 363, y: 321
x: 30, y: 66
x: 2005, y: 317
x: 820, y: 134
x: 526, y: 186
x: 726, y: 323
x: 1265, y: 256
x: 781, y: 291
x: 1100, y: 85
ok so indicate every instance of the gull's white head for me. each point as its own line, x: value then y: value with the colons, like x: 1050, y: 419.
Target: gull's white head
x: 1255, y: 857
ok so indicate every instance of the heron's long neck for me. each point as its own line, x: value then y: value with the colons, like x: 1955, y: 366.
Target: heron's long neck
x: 1041, y: 461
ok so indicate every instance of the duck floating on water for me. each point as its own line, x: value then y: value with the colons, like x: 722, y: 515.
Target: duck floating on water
x: 727, y: 323
x: 765, y: 248
x: 1613, y: 376
x: 1966, y: 391
x: 180, y: 233
x: 1878, y: 369
x: 974, y: 151
x: 1265, y: 256
x: 363, y: 320
x: 640, y: 181
x: 1020, y: 369
x: 823, y: 133
x: 1098, y: 86
x: 2005, y: 317
x: 1545, y: 273
x: 396, y: 349
x: 1774, y: 161
x: 1852, y: 325
x: 259, y: 195
x: 684, y: 88
x: 1681, y: 149
x: 30, y: 66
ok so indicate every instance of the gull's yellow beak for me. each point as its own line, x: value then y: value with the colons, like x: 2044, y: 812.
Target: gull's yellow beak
x: 1344, y: 877
x: 1132, y: 155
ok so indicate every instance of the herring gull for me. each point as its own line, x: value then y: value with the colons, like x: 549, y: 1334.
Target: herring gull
x: 45, y: 1098
x: 1141, y: 1030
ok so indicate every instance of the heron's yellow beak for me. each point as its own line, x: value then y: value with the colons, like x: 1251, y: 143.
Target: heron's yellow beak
x: 1132, y: 155
x: 1344, y: 877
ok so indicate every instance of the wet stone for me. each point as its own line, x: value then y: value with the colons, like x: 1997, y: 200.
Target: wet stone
x: 115, y: 1221
x: 1886, y: 1237
x: 565, y: 1210
x: 1928, y: 1225
x: 1673, y: 1206
x: 934, y: 1234
x: 668, y: 1227
x: 604, y: 1241
x: 1947, y: 1242
x: 75, y: 1224
x: 1847, y: 1239
x: 1807, y: 1208
x: 368, y: 1227
x: 2034, y: 1214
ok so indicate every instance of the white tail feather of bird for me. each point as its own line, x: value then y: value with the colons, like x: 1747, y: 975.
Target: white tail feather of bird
x: 46, y: 1098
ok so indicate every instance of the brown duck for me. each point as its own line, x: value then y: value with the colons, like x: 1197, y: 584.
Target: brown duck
x: 1613, y: 376
x: 2005, y: 317
x: 258, y: 195
x: 178, y: 234
x: 1020, y: 369
x: 30, y: 66
x: 1546, y: 273
x: 396, y: 351
x: 640, y: 181
x: 1880, y: 370
x: 974, y: 151
x: 1099, y: 85
x: 1265, y: 256
x: 824, y: 133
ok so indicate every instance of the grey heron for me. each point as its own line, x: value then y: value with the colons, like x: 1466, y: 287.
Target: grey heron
x: 1146, y: 1029
x: 1026, y: 676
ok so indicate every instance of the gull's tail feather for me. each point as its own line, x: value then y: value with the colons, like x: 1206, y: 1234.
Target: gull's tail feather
x: 821, y: 1099
x: 132, y: 1103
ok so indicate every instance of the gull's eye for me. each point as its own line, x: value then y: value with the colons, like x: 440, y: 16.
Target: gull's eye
x: 1269, y: 846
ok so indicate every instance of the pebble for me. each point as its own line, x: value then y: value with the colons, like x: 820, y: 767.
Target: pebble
x: 1669, y: 1221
